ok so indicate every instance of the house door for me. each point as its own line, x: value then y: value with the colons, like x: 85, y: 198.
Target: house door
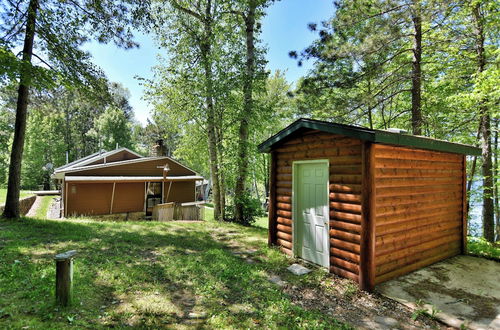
x: 311, y: 241
x: 154, y: 196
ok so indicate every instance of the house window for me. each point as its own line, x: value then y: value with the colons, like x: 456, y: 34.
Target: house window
x: 154, y: 189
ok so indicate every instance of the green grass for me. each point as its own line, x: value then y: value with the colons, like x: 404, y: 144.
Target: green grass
x: 3, y: 195
x: 480, y: 247
x: 260, y: 222
x: 147, y: 275
x: 43, y: 208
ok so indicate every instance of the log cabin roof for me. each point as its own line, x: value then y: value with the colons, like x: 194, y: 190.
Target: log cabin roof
x: 366, y: 134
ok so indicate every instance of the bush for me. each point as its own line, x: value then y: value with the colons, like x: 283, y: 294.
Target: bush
x: 481, y: 247
x: 252, y: 208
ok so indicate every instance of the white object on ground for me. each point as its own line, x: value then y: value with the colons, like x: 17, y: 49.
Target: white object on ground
x: 297, y: 269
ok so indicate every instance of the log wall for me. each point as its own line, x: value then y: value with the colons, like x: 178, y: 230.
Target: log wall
x: 344, y: 155
x: 418, y: 208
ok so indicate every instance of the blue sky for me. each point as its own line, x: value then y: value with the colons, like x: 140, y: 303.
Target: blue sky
x: 283, y: 29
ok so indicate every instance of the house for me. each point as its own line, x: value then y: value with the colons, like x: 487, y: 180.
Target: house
x: 369, y: 205
x: 121, y: 181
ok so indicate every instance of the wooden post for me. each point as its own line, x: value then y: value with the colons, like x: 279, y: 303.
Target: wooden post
x: 367, y: 256
x: 112, y: 199
x: 145, y: 194
x: 273, y: 230
x: 64, y: 277
x: 465, y: 205
x: 168, y: 192
x: 66, y: 192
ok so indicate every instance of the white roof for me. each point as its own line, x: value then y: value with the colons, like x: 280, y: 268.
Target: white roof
x: 92, y: 158
x: 95, y: 155
x: 132, y: 178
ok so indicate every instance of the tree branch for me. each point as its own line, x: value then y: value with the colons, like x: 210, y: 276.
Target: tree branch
x: 188, y: 11
x: 44, y: 62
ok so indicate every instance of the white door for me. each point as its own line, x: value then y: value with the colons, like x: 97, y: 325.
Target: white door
x: 311, y: 212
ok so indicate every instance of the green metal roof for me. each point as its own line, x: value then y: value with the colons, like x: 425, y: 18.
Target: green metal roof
x: 366, y: 134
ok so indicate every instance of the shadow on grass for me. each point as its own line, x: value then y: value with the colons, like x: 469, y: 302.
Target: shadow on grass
x: 140, y: 274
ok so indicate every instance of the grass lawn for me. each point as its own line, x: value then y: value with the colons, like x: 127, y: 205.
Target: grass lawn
x: 148, y: 274
x: 3, y: 195
x: 260, y: 222
x: 175, y: 275
x: 482, y: 248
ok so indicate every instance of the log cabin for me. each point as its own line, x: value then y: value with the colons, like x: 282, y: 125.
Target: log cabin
x: 368, y: 205
x: 122, y: 181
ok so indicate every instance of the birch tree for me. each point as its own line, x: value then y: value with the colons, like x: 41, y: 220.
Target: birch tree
x: 198, y: 43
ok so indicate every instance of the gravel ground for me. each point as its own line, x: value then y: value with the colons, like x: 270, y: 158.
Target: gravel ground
x: 54, y: 212
x: 362, y: 310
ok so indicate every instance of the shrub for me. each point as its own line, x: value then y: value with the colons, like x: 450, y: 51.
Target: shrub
x: 481, y: 247
x: 252, y: 208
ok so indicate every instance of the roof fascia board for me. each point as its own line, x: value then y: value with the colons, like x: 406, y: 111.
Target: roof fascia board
x: 125, y: 162
x: 425, y: 143
x: 133, y: 152
x: 78, y: 161
x: 375, y: 136
x: 132, y: 178
x: 324, y: 127
x: 109, y: 153
x: 341, y: 130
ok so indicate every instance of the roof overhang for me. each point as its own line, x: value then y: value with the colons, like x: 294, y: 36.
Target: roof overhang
x: 103, y: 154
x: 365, y: 134
x: 118, y: 163
x: 131, y: 178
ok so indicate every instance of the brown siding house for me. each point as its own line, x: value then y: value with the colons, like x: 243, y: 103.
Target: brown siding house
x: 368, y: 205
x: 122, y: 181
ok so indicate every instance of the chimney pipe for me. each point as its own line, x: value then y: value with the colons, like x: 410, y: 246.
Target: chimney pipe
x: 159, y: 148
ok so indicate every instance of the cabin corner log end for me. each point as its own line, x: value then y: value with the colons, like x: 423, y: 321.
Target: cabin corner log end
x: 367, y: 244
x: 272, y: 239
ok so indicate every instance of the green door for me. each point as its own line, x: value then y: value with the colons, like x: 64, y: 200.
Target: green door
x: 311, y: 211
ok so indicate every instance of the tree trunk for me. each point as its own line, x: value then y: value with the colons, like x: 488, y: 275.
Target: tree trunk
x: 488, y: 207
x: 495, y: 181
x: 211, y: 116
x: 222, y: 185
x: 472, y: 172
x: 12, y: 202
x: 212, y: 140
x: 416, y: 80
x: 487, y: 168
x: 67, y: 133
x: 267, y: 170
x: 239, y: 191
x: 370, y: 108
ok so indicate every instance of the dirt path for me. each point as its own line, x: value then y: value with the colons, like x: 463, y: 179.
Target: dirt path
x: 333, y: 295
